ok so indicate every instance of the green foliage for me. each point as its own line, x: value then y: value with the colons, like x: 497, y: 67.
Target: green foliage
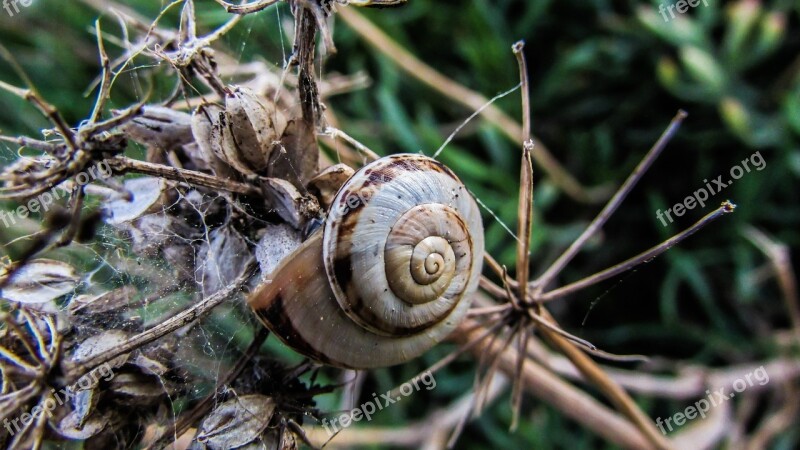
x: 606, y: 78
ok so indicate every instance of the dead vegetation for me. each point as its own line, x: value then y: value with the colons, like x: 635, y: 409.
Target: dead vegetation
x: 226, y: 189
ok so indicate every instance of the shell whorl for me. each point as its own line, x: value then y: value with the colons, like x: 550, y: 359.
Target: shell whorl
x: 388, y: 277
x: 403, y: 244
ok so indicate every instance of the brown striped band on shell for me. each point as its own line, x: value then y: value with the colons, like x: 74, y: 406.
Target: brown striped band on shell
x: 378, y: 226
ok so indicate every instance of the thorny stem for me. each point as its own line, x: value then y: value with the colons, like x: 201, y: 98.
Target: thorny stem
x: 727, y: 207
x: 540, y: 283
x: 76, y: 369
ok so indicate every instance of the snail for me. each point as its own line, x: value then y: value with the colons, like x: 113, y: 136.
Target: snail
x: 388, y: 276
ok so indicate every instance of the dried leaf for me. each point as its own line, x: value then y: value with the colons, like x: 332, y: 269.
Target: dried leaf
x: 327, y: 183
x: 83, y: 404
x: 100, y: 343
x: 149, y: 365
x: 287, y: 201
x: 139, y: 389
x: 71, y: 428
x: 298, y: 158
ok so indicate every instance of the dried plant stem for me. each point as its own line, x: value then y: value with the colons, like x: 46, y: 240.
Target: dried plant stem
x: 76, y: 369
x: 777, y: 422
x: 470, y: 99
x: 612, y: 390
x: 524, y: 221
x: 690, y: 382
x: 541, y: 283
x: 571, y: 401
x: 335, y: 133
x: 429, y: 432
x: 48, y: 110
x: 781, y: 261
x: 525, y: 210
x: 630, y: 263
x: 122, y: 164
x: 105, y: 80
x: 246, y: 8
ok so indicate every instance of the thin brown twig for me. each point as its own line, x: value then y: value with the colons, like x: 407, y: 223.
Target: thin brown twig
x: 525, y: 221
x: 558, y: 265
x: 622, y: 401
x: 122, y: 164
x: 517, y: 387
x: 76, y: 369
x: 105, y: 80
x: 572, y: 402
x: 472, y: 100
x: 647, y: 255
x: 780, y: 258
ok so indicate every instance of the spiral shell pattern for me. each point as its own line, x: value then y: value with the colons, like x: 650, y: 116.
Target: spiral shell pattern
x: 403, y: 246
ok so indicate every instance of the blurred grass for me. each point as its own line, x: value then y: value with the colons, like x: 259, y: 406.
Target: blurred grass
x: 606, y: 79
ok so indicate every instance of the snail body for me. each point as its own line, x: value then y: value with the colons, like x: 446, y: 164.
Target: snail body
x: 390, y: 274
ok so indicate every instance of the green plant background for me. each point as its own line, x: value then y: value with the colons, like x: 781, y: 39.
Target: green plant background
x: 606, y: 78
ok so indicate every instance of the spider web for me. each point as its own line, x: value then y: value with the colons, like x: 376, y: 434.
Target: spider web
x: 162, y: 254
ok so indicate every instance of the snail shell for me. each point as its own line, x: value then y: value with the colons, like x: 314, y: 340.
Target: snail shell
x: 388, y: 277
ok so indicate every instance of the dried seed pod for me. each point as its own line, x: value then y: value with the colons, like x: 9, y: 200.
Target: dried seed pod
x: 243, y: 134
x: 236, y: 422
x: 148, y: 195
x: 160, y: 127
x: 39, y: 282
x: 255, y: 126
x: 390, y: 275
